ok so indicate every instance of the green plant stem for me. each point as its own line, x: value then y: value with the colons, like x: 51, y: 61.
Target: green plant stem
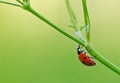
x: 13, y: 4
x: 102, y: 59
x: 89, y: 48
x: 87, y: 20
x: 72, y: 15
x: 20, y: 2
x: 74, y: 21
x: 55, y: 26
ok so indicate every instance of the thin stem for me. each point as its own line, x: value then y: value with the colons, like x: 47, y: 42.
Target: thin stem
x: 72, y: 15
x: 89, y: 48
x: 10, y: 3
x: 55, y: 26
x: 87, y: 20
x: 20, y: 2
x: 74, y: 21
x: 102, y: 59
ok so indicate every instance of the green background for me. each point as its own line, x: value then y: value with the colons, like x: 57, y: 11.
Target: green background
x: 33, y: 52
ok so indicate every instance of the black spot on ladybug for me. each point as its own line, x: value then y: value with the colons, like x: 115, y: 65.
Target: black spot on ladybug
x: 84, y: 57
x: 90, y: 63
x: 83, y: 62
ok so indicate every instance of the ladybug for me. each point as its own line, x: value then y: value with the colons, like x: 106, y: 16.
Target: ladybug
x: 84, y: 58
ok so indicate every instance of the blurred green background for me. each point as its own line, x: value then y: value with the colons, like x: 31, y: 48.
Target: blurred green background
x: 33, y: 52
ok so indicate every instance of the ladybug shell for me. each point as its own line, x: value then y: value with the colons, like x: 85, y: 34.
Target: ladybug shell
x: 86, y: 60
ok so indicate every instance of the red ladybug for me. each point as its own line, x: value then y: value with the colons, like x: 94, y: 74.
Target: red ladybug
x: 84, y: 58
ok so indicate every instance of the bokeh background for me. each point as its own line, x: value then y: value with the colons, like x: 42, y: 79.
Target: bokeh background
x: 33, y: 52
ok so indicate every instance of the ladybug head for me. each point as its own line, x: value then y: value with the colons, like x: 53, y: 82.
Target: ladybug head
x: 79, y: 51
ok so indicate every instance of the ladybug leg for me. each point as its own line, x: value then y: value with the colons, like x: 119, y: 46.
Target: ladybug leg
x: 91, y: 57
x: 88, y: 49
